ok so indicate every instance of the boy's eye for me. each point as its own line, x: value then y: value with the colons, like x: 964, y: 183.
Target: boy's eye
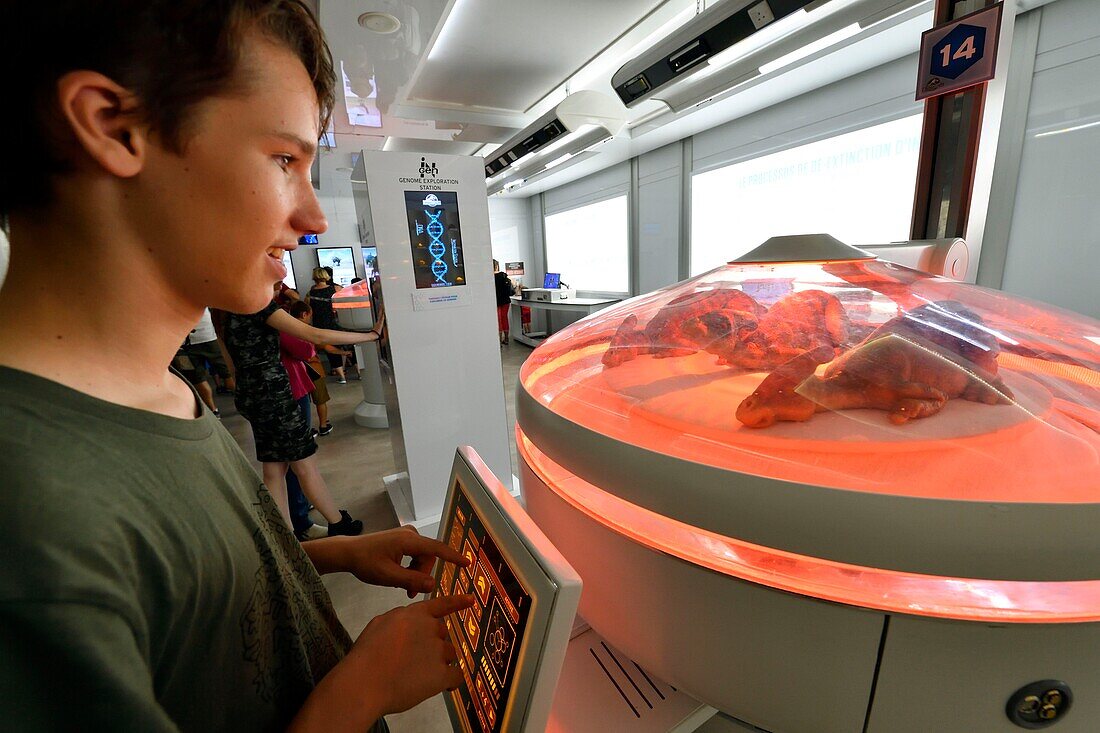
x: 284, y: 161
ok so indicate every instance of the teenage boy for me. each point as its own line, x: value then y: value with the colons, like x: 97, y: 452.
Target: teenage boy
x: 149, y: 580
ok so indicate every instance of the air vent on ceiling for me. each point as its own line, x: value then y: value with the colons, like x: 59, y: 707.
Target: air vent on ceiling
x: 564, y: 130
x: 735, y: 41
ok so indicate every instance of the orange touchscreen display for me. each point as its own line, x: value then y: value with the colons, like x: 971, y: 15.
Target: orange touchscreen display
x: 487, y: 635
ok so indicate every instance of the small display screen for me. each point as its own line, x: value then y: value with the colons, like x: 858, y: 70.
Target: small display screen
x: 307, y: 239
x: 289, y: 265
x: 552, y: 280
x: 486, y: 636
x: 436, y: 238
x: 341, y: 261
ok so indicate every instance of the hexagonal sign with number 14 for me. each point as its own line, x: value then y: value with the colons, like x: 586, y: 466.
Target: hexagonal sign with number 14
x: 958, y: 51
x: 959, y: 54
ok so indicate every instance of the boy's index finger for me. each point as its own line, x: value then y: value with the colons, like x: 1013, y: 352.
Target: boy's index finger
x: 420, y: 545
x: 441, y: 606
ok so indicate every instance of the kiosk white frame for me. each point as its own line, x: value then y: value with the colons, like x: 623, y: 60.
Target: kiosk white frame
x: 441, y: 370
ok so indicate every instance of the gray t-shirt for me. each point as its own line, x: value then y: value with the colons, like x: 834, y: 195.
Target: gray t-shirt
x: 149, y: 582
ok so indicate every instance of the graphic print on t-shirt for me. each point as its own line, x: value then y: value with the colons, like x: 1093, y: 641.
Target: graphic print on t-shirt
x: 274, y: 619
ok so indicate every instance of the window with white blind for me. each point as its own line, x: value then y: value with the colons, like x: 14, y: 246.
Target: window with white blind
x: 588, y: 246
x: 857, y: 186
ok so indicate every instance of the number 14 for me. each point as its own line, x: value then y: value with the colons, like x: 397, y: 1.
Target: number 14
x: 964, y: 51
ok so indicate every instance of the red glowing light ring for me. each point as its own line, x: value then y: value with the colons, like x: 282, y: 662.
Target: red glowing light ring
x: 967, y: 599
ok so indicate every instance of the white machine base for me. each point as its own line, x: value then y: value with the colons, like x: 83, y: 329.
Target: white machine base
x: 369, y: 415
x: 601, y: 690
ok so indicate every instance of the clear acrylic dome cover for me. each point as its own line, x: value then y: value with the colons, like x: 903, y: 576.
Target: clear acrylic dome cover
x: 845, y: 373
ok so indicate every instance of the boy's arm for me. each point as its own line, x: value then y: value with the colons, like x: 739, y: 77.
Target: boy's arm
x: 377, y: 558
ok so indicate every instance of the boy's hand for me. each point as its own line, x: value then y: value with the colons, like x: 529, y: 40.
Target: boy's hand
x: 409, y: 648
x: 377, y: 558
x: 402, y: 658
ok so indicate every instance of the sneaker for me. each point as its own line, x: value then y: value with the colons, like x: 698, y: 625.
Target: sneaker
x: 314, y: 532
x: 217, y: 414
x: 341, y: 380
x: 313, y: 433
x: 346, y: 526
x: 325, y: 430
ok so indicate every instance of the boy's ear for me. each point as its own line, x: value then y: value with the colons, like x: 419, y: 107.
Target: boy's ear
x: 101, y: 116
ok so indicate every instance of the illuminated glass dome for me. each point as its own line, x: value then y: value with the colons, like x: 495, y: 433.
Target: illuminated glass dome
x: 812, y: 399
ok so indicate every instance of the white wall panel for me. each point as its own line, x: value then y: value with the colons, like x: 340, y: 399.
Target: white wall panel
x: 608, y: 183
x: 336, y: 201
x: 659, y: 181
x: 510, y: 226
x: 1054, y: 246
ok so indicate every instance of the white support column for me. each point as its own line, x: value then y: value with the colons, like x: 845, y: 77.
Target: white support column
x: 992, y: 112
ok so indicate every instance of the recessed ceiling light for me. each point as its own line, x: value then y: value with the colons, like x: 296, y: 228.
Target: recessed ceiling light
x: 377, y: 22
x: 343, y: 169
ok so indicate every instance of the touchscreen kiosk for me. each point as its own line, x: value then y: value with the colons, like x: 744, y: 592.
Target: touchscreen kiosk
x: 435, y: 236
x: 552, y: 281
x: 512, y: 642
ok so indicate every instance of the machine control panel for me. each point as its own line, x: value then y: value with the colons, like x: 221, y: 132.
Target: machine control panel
x: 512, y: 641
x: 486, y: 634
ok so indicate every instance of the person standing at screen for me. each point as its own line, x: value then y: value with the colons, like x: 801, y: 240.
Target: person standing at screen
x: 320, y: 302
x: 156, y: 586
x: 504, y: 292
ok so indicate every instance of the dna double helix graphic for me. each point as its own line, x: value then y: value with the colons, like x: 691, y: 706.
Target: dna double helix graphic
x: 436, y: 247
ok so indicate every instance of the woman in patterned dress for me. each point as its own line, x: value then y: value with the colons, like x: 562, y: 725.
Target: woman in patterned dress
x: 264, y: 398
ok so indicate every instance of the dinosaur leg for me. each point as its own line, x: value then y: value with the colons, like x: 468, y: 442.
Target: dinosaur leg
x: 989, y: 391
x: 902, y: 400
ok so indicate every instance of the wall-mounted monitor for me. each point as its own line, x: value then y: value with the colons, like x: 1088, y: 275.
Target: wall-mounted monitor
x: 370, y: 262
x: 435, y: 236
x: 342, y: 262
x: 308, y: 239
x: 289, y: 265
x: 512, y: 642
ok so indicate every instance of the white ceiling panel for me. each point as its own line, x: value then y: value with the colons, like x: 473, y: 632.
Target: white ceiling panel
x: 443, y: 147
x: 507, y: 55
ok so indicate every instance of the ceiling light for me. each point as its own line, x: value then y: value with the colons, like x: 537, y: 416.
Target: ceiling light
x: 448, y: 24
x: 382, y: 23
x: 1067, y: 129
x: 559, y: 161
x: 811, y: 48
